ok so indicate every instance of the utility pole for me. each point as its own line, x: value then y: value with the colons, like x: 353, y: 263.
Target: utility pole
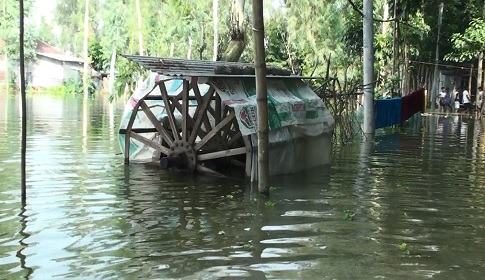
x: 23, y: 148
x: 435, y: 87
x: 368, y: 34
x: 261, y: 97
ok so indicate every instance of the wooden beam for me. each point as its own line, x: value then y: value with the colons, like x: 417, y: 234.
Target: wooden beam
x: 214, y: 131
x: 209, y: 171
x: 150, y: 143
x: 156, y: 123
x: 200, y: 116
x: 168, y: 109
x: 220, y: 154
x: 249, y: 155
x: 185, y: 110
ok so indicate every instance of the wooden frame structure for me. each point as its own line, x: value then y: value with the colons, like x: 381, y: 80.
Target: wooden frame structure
x: 210, y: 136
x: 211, y: 133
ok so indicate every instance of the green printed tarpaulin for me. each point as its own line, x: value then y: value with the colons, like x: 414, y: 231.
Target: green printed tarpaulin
x: 290, y: 102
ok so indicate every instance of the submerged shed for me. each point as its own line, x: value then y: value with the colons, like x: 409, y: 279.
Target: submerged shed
x: 201, y: 116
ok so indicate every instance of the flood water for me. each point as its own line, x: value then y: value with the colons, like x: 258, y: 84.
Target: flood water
x: 409, y: 205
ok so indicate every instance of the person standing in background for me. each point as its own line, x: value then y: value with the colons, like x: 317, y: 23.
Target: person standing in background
x: 466, y: 101
x: 448, y: 100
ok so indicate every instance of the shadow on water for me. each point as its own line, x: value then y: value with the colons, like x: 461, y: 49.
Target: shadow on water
x: 89, y: 216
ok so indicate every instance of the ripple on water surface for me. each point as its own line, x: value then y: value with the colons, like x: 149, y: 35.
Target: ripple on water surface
x: 406, y: 206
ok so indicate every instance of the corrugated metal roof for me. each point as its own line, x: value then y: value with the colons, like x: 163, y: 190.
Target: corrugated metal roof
x: 194, y: 68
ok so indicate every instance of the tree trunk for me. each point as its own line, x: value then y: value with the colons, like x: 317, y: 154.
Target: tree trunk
x: 480, y: 71
x: 237, y: 44
x: 261, y: 97
x: 215, y: 16
x: 172, y: 49
x: 385, y: 16
x: 189, y: 52
x: 140, y: 34
x: 395, y: 46
x: 86, y: 54
x: 112, y: 71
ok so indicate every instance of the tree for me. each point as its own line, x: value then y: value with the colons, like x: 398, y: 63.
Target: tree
x: 9, y: 30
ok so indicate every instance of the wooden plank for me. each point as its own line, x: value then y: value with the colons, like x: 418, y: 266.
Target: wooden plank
x: 218, y: 115
x: 221, y: 154
x: 200, y: 117
x: 138, y: 130
x: 200, y: 102
x: 185, y: 110
x: 129, y: 126
x: 249, y: 154
x: 216, y: 130
x: 168, y: 109
x: 150, y: 143
x: 209, y: 171
x: 153, y: 119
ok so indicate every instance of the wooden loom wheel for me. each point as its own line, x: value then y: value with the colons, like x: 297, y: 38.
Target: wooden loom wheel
x: 197, y: 139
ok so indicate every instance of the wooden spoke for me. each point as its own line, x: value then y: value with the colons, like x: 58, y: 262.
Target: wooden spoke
x: 218, y: 115
x: 221, y: 154
x: 200, y: 101
x: 209, y: 171
x: 200, y: 116
x: 170, y: 112
x: 150, y: 143
x: 153, y: 119
x: 185, y: 110
x: 215, y: 131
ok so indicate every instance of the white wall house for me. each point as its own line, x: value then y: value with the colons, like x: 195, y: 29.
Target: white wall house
x: 53, y: 69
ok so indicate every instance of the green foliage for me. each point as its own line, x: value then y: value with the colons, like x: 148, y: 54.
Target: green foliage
x: 269, y: 204
x: 9, y: 30
x: 468, y: 45
x: 348, y: 215
x: 96, y: 56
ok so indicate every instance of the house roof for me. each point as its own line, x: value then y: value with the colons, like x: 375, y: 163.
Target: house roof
x: 46, y: 50
x: 61, y: 57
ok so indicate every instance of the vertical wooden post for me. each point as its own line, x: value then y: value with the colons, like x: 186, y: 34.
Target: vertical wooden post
x: 23, y: 149
x: 261, y: 97
x: 368, y: 44
x: 470, y: 82
x: 435, y: 86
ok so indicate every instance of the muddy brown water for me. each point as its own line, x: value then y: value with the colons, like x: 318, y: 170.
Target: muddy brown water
x: 409, y: 205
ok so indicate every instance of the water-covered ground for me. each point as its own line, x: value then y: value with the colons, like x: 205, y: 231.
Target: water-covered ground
x: 405, y: 206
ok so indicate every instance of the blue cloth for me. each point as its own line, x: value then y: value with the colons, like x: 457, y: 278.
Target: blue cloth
x: 388, y: 112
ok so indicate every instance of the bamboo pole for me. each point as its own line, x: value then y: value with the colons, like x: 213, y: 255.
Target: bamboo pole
x: 261, y: 97
x: 368, y: 46
x: 140, y: 34
x: 23, y: 149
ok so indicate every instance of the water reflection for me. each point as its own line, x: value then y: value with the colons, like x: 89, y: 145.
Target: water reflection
x: 89, y: 216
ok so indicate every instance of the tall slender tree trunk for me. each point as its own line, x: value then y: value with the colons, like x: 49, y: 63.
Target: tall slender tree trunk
x: 215, y: 16
x: 385, y: 16
x: 23, y: 148
x: 395, y: 45
x: 112, y: 71
x: 86, y: 54
x: 140, y: 34
x: 189, y: 52
x: 237, y: 44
